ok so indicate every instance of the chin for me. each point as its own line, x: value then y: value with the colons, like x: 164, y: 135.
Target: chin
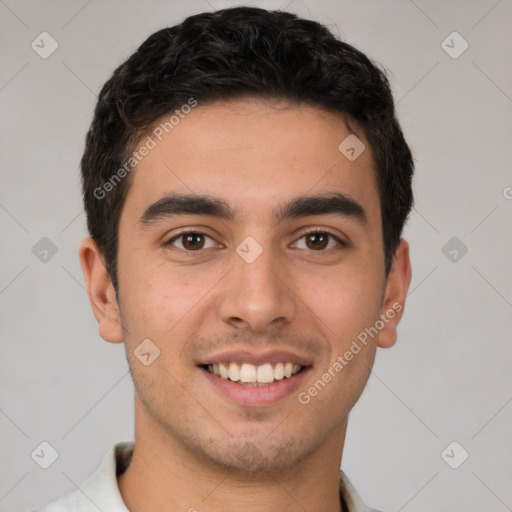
x: 253, y: 455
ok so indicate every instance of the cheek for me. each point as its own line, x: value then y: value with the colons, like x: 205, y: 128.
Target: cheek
x: 158, y: 297
x: 353, y: 305
x: 347, y: 301
x: 348, y: 305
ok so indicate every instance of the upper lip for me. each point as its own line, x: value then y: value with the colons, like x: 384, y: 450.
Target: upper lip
x: 244, y: 356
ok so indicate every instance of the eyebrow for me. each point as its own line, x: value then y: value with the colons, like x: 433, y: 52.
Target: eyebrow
x: 297, y: 207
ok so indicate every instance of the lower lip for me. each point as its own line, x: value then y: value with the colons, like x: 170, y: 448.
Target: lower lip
x: 254, y: 396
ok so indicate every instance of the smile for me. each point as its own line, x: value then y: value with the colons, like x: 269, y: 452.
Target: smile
x: 255, y: 375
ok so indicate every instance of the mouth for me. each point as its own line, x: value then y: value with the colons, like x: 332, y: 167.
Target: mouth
x: 248, y: 374
x: 254, y: 380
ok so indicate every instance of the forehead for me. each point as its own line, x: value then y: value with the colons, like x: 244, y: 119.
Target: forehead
x: 252, y: 155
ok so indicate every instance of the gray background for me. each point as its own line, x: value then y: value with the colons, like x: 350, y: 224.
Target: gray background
x: 447, y: 379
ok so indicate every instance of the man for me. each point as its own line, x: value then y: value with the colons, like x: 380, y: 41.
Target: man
x: 246, y: 183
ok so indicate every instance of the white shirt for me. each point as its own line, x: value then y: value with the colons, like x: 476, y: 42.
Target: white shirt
x: 101, y: 492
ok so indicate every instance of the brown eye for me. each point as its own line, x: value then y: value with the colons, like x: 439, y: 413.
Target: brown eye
x: 190, y: 241
x: 320, y: 240
x: 193, y: 241
x: 317, y: 240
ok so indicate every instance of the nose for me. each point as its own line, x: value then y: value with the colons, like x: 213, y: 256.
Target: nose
x: 256, y: 295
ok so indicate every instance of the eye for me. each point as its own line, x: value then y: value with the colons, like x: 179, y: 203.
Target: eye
x: 191, y: 241
x: 318, y: 240
x: 194, y: 241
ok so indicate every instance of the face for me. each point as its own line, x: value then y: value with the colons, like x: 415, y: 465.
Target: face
x: 234, y: 276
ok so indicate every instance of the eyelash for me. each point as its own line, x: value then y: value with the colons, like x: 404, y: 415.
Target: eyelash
x: 313, y: 231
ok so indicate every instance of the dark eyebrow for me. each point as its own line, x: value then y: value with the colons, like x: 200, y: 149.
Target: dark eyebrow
x: 187, y: 204
x: 302, y: 206
x: 323, y: 204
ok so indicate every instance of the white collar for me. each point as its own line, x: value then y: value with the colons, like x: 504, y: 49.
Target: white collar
x: 101, y: 492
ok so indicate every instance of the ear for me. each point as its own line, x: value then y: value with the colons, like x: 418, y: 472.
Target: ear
x: 101, y: 292
x: 397, y: 285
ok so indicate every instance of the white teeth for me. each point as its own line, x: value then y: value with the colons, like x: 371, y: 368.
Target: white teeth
x: 223, y: 369
x: 234, y: 372
x: 247, y: 372
x: 279, y: 371
x: 265, y: 373
x: 252, y: 374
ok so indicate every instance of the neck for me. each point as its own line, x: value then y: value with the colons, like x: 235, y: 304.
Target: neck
x: 165, y: 475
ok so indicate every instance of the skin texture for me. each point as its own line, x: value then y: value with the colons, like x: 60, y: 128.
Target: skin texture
x: 191, y: 442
